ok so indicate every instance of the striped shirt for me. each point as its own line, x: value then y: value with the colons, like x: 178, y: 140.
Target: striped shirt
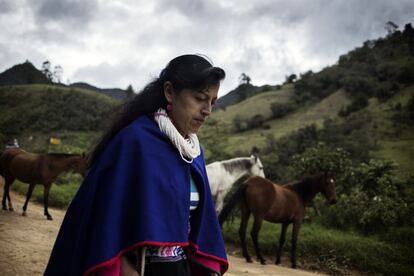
x: 194, y: 196
x: 173, y: 253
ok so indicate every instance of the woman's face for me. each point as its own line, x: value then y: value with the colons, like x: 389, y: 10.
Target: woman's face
x: 190, y: 108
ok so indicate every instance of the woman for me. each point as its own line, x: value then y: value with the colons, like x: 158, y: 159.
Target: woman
x: 134, y: 205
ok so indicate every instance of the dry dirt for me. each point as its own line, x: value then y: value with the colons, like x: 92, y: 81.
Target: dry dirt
x: 26, y: 243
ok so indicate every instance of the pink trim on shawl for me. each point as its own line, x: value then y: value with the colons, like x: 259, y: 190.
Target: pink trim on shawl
x: 112, y: 267
x: 210, y: 261
x: 111, y: 270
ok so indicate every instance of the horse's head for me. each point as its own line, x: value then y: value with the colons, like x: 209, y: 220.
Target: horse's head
x: 257, y: 166
x: 328, y: 187
x: 81, y: 165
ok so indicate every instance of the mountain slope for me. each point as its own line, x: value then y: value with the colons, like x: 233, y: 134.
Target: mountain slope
x: 114, y: 93
x: 24, y: 73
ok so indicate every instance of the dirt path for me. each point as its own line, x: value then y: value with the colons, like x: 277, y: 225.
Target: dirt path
x: 26, y: 242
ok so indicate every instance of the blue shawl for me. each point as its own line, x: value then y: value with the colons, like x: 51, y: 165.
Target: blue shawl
x: 137, y: 193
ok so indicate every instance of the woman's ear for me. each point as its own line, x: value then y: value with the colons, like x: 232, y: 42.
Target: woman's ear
x: 168, y: 91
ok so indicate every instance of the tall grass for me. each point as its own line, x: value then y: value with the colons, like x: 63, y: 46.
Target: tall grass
x: 336, y: 252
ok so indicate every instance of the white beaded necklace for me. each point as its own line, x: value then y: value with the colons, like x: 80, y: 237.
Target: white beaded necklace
x: 188, y: 148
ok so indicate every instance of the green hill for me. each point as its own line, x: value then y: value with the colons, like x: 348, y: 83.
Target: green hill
x: 363, y: 95
x: 24, y: 73
x: 33, y: 112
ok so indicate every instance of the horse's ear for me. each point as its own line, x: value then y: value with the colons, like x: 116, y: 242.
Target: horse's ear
x: 254, y: 156
x: 255, y: 152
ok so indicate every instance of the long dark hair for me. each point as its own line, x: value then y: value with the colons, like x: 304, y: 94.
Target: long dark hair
x: 184, y: 72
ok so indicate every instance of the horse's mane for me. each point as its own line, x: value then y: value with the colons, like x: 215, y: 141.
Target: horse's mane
x: 243, y: 163
x: 304, y: 187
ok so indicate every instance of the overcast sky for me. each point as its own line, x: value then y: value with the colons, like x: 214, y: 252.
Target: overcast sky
x: 117, y: 43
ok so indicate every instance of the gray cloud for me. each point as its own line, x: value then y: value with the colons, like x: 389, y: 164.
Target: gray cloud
x: 115, y: 43
x: 104, y: 73
x: 74, y: 12
x: 6, y: 7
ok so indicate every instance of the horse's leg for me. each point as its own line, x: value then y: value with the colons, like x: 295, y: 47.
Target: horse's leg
x: 28, y: 196
x: 219, y: 201
x: 8, y: 181
x: 295, y: 234
x: 257, y: 224
x: 245, y: 214
x: 3, y: 202
x: 281, y: 242
x: 46, y: 200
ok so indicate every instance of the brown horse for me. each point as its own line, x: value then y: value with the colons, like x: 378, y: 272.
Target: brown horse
x: 31, y: 168
x: 278, y: 204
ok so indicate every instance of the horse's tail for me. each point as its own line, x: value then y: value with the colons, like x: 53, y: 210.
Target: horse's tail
x: 234, y: 199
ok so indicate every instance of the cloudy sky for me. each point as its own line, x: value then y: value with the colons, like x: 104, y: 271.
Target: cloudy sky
x: 120, y: 42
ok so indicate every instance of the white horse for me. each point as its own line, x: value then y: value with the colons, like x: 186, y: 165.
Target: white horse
x: 223, y: 174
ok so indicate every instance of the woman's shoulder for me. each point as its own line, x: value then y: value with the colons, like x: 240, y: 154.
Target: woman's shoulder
x: 142, y: 130
x: 143, y: 125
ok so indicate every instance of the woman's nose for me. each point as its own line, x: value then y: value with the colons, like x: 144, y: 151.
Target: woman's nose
x: 206, y: 111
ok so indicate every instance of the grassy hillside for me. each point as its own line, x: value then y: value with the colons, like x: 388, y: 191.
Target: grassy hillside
x: 365, y: 94
x: 234, y: 142
x: 259, y: 104
x: 37, y: 112
x: 394, y: 139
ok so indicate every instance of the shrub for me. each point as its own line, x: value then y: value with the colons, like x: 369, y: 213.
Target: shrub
x: 321, y: 159
x: 370, y: 199
x: 280, y: 110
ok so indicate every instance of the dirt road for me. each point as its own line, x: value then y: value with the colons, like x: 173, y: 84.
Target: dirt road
x: 26, y: 242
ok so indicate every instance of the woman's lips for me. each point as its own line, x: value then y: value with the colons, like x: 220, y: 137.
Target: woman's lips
x: 199, y: 121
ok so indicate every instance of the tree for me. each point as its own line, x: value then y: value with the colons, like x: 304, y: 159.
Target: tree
x: 129, y: 91
x: 321, y: 158
x: 244, y: 79
x: 58, y: 73
x: 46, y: 70
x: 291, y: 78
x: 391, y: 27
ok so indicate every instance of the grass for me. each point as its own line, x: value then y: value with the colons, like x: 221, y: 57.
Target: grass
x: 30, y: 110
x: 60, y: 196
x: 260, y: 104
x: 395, y: 139
x: 75, y: 142
x: 333, y: 251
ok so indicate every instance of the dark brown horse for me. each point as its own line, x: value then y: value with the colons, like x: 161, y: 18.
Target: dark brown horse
x: 31, y: 168
x: 278, y: 204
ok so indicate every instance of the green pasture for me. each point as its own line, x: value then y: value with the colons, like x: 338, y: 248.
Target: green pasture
x: 333, y: 251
